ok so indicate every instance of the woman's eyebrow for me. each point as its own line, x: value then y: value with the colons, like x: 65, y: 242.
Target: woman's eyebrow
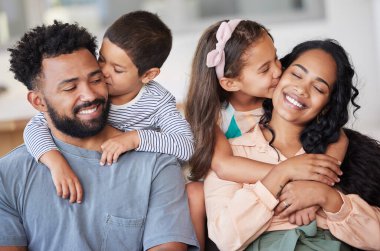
x: 317, y: 78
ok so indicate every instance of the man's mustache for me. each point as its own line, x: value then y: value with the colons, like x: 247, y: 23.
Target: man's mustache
x: 99, y: 101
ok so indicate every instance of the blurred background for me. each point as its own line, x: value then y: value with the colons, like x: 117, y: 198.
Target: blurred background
x: 355, y: 24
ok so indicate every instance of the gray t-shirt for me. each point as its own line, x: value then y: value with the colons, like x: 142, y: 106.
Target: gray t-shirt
x: 135, y: 204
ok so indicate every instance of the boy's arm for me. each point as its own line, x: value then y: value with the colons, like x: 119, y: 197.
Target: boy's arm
x: 175, y: 136
x: 41, y: 146
x: 37, y: 137
x: 235, y: 168
x: 338, y: 149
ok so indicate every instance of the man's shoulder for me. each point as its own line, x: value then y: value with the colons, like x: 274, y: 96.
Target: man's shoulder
x: 149, y: 161
x: 17, y: 155
x: 16, y: 164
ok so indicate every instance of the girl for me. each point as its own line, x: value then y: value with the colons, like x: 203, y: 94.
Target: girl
x: 309, y: 108
x: 235, y: 67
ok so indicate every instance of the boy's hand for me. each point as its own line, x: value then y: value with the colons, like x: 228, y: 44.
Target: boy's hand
x: 65, y: 181
x: 67, y: 184
x: 117, y: 145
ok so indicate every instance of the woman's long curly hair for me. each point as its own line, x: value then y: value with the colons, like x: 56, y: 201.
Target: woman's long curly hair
x: 206, y: 97
x: 325, y: 128
x: 361, y: 168
x: 361, y: 165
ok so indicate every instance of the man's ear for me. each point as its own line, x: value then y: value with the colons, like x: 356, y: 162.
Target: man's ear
x: 229, y: 84
x: 150, y: 74
x: 36, y: 100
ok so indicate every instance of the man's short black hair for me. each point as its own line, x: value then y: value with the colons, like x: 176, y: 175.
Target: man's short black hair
x: 47, y: 41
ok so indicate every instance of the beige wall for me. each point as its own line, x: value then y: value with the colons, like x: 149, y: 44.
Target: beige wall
x: 11, y: 135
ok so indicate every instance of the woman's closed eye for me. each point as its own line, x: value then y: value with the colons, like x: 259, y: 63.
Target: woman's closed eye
x: 296, y: 75
x: 319, y: 89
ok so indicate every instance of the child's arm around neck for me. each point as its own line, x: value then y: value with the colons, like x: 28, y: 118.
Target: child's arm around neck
x: 234, y: 168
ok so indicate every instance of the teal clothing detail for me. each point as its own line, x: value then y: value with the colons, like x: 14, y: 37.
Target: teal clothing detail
x: 233, y: 130
x: 305, y: 238
x: 235, y: 123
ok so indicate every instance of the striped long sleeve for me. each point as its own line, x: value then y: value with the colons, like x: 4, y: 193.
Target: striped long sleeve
x: 159, y: 124
x: 37, y: 137
x: 153, y: 114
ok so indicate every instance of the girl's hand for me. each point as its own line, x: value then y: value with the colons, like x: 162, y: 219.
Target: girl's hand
x: 317, y: 167
x: 304, y: 216
x: 114, y: 147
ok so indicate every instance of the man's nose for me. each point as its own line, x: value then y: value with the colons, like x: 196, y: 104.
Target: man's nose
x: 87, y: 93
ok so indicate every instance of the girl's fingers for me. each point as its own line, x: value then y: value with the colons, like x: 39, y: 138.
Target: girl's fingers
x: 322, y: 178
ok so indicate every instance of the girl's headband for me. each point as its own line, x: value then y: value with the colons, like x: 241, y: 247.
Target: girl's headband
x: 216, y: 57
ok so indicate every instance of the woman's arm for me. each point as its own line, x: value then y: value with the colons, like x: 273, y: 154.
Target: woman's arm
x: 236, y: 214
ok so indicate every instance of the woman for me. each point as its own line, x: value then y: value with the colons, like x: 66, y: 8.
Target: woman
x: 309, y: 108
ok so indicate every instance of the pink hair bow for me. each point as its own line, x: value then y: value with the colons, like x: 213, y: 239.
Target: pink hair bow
x: 216, y: 57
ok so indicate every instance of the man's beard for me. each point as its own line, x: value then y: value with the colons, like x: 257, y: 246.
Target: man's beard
x: 76, y: 128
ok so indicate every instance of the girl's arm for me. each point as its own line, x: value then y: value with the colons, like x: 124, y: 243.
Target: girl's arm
x: 244, y: 170
x: 338, y: 149
x: 235, y: 168
x: 41, y: 146
x: 174, y: 136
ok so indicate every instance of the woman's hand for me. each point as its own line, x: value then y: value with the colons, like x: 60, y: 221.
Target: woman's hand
x: 299, y: 195
x: 317, y: 167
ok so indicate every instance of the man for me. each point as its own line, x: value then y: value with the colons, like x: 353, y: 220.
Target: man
x: 138, y: 203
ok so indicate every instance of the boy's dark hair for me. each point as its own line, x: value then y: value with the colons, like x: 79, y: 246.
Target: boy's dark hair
x: 46, y: 42
x: 361, y: 168
x: 144, y: 37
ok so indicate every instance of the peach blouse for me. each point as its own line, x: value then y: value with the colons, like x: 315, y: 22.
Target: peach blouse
x: 239, y: 213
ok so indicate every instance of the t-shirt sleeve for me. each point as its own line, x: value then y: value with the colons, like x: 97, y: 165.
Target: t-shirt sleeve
x: 168, y: 218
x: 12, y: 232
